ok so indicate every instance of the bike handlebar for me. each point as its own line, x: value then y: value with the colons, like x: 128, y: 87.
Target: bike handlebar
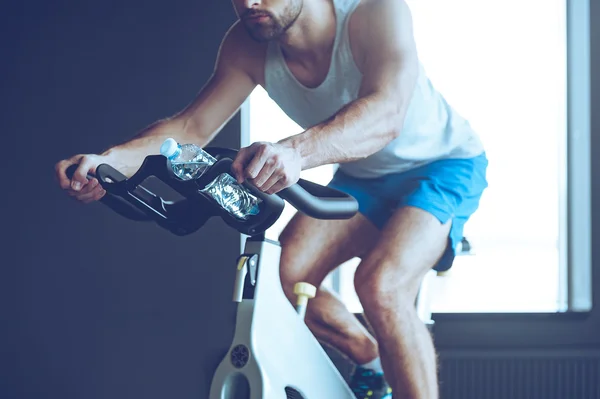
x: 131, y: 199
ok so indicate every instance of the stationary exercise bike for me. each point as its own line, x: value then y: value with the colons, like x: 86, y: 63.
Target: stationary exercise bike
x: 273, y: 354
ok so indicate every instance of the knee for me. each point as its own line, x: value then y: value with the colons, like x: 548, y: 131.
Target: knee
x: 385, y: 285
x: 292, y: 269
x: 289, y: 275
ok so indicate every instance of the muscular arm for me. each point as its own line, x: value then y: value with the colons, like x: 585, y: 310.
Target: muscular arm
x: 390, y: 69
x: 234, y: 77
x: 216, y: 103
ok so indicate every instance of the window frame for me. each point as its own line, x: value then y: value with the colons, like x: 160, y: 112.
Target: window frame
x: 576, y: 245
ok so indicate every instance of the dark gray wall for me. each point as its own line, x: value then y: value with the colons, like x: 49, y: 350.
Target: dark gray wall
x: 92, y: 305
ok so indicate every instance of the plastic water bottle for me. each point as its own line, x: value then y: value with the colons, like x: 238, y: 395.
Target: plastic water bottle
x: 189, y: 161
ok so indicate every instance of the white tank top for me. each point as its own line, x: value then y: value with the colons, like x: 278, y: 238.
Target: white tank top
x: 432, y: 129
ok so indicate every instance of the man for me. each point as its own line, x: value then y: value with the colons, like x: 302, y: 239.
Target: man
x: 347, y: 71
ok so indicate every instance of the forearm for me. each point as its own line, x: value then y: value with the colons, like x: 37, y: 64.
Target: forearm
x: 358, y: 130
x: 128, y: 156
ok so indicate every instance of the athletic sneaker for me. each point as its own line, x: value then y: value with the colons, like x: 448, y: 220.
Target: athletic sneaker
x: 367, y: 384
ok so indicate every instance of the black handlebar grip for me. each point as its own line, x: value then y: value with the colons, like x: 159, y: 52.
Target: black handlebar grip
x: 319, y: 201
x: 116, y: 203
x: 71, y: 171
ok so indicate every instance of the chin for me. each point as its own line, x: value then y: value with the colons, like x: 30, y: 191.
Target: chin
x: 260, y: 36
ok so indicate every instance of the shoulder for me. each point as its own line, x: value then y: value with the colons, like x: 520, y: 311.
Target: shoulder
x: 374, y: 12
x: 238, y: 50
x: 372, y: 16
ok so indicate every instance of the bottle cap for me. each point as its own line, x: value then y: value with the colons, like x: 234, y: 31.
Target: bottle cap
x: 169, y: 148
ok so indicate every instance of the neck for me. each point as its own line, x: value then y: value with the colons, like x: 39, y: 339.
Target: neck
x: 312, y: 35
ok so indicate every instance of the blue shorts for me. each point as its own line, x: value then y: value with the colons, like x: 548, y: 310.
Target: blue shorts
x: 449, y: 189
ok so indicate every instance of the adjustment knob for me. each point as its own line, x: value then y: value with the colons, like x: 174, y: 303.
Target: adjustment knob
x: 304, y: 291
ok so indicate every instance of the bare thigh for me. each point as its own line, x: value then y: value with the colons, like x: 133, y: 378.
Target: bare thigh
x: 312, y: 248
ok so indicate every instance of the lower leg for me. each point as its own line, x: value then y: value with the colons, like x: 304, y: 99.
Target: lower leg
x: 407, y: 352
x: 333, y: 324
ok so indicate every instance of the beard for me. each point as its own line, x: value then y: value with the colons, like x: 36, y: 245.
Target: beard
x: 271, y: 27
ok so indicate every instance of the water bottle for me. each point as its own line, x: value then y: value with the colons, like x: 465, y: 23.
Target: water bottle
x: 189, y: 161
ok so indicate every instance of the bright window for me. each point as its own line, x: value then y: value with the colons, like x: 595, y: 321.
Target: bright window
x: 503, y: 66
